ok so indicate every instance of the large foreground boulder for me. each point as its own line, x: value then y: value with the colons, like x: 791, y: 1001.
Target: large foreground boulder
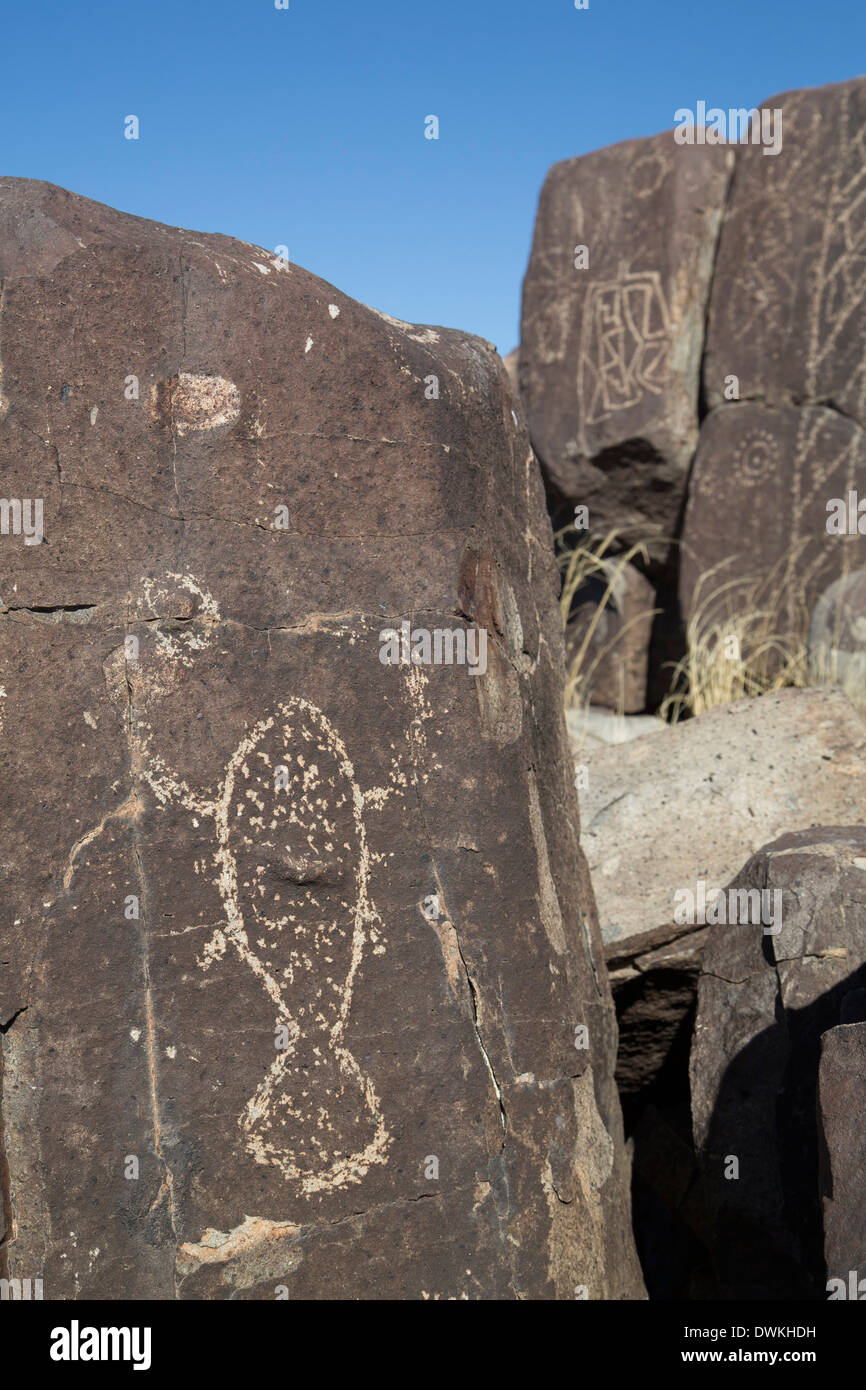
x: 772, y: 983
x: 300, y: 976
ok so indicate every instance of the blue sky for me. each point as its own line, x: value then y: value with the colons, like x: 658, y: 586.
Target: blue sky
x: 305, y: 127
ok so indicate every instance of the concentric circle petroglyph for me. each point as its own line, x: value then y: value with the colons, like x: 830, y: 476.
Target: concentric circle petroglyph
x: 757, y: 456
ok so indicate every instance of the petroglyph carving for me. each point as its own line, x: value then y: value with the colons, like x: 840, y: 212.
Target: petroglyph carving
x: 292, y: 865
x: 625, y: 344
x: 756, y: 457
x: 285, y: 845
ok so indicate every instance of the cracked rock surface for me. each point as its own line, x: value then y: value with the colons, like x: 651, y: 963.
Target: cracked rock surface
x: 764, y: 1002
x: 295, y: 944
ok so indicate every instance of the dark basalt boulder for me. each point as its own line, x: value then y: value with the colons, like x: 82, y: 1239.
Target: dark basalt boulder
x: 614, y: 309
x: 296, y: 944
x: 842, y: 1148
x: 765, y: 997
x: 787, y: 312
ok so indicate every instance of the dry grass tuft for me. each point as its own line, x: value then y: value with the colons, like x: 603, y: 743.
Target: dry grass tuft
x: 578, y: 564
x: 746, y: 638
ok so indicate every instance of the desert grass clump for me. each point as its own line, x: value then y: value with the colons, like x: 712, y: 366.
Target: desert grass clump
x: 746, y: 637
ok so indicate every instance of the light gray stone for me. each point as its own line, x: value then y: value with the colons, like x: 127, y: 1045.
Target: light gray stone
x: 661, y: 813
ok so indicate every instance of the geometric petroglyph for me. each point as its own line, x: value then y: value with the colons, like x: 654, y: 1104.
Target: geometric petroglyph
x: 625, y: 344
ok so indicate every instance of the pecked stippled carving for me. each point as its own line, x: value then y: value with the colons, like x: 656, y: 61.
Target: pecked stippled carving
x: 292, y: 866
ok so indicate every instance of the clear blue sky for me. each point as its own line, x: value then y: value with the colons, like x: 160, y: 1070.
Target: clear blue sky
x: 305, y: 127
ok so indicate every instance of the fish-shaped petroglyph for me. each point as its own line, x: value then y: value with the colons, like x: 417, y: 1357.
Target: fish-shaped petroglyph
x: 292, y: 865
x: 294, y: 870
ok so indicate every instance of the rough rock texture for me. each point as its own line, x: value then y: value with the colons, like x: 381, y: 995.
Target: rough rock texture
x: 294, y: 943
x: 787, y: 319
x: 512, y: 367
x: 788, y: 306
x: 611, y: 353
x: 660, y: 813
x: 757, y: 511
x: 763, y: 1002
x: 613, y: 645
x: 841, y: 1104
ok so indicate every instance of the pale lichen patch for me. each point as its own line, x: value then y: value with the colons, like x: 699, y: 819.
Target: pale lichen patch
x: 203, y: 402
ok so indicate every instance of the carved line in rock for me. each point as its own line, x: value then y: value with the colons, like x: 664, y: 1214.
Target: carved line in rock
x: 625, y: 345
x: 248, y: 778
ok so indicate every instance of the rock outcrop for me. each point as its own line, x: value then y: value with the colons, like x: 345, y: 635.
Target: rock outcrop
x: 842, y: 1147
x: 611, y: 646
x: 301, y: 978
x: 614, y: 308
x: 787, y: 312
x: 765, y: 997
x: 755, y: 535
x: 694, y: 318
x: 784, y: 371
x: 659, y: 814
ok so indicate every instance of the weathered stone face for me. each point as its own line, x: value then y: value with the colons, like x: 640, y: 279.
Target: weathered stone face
x: 610, y: 353
x: 841, y: 1080
x: 788, y: 307
x: 689, y: 803
x: 764, y: 1000
x: 758, y: 516
x: 297, y: 941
